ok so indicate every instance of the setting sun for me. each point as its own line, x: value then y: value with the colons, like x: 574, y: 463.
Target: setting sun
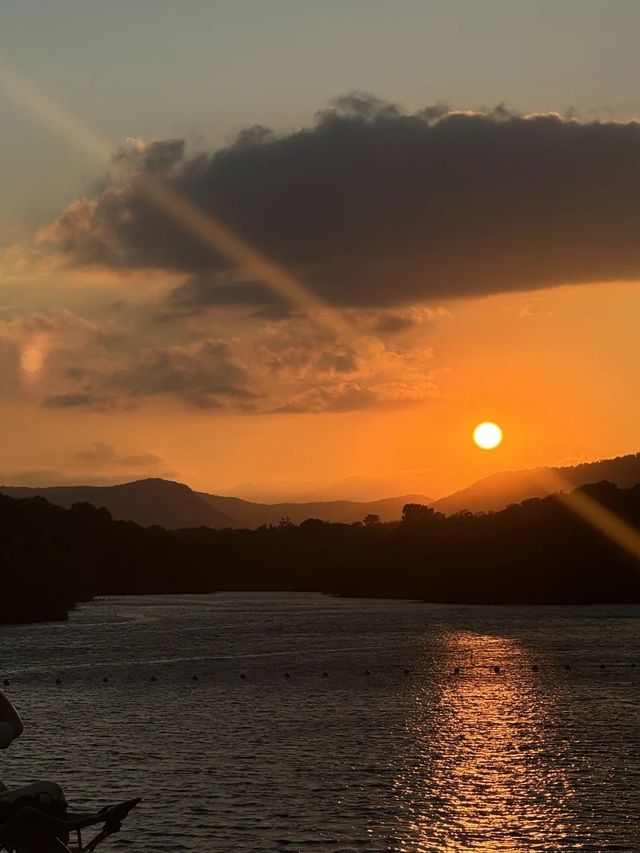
x: 252, y: 307
x: 487, y: 435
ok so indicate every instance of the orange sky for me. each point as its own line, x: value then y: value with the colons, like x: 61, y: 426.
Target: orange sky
x: 345, y: 345
x: 554, y: 368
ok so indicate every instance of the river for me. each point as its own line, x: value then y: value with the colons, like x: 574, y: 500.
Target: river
x: 292, y: 722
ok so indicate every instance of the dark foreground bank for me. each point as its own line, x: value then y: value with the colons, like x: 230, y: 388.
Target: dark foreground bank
x: 536, y: 552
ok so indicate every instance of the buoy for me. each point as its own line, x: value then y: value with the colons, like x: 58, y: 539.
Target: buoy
x: 456, y: 670
x: 194, y: 678
x: 286, y: 675
x: 154, y: 678
x: 325, y: 674
x: 105, y: 680
x: 58, y: 681
x: 496, y: 669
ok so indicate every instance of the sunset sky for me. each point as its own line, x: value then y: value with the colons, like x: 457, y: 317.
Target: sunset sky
x: 433, y: 219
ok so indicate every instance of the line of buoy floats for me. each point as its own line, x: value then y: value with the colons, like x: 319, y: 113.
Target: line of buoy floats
x: 457, y: 671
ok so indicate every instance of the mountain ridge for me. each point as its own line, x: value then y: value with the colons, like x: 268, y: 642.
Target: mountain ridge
x: 166, y: 503
x: 148, y: 502
x: 498, y: 490
x: 255, y: 514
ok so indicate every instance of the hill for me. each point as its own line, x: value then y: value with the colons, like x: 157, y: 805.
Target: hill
x: 175, y: 505
x: 508, y: 487
x: 536, y: 552
x: 147, y: 502
x: 251, y: 515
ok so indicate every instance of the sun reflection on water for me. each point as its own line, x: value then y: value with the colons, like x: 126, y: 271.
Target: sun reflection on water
x: 482, y: 771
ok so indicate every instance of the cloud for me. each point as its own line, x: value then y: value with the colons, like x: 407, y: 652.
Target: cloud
x: 340, y: 397
x: 372, y: 206
x: 77, y: 400
x: 35, y: 477
x: 151, y: 155
x: 203, y: 376
x: 51, y: 477
x: 297, y: 364
x: 101, y: 453
x: 303, y: 367
x: 200, y: 292
x: 41, y: 350
x: 99, y: 464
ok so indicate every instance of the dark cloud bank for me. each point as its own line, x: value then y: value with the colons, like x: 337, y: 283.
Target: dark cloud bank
x: 373, y: 206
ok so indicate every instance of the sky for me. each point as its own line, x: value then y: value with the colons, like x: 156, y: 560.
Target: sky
x: 295, y: 249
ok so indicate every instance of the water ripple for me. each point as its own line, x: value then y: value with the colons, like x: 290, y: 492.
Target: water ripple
x: 351, y: 729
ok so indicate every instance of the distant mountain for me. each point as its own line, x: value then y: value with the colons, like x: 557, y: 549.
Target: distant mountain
x: 175, y: 505
x: 147, y: 502
x: 508, y: 487
x: 251, y: 515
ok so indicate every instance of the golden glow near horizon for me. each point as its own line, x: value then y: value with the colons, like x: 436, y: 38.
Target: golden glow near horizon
x: 487, y: 435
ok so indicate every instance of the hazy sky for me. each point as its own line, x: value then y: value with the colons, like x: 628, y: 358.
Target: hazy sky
x: 202, y: 69
x: 452, y: 268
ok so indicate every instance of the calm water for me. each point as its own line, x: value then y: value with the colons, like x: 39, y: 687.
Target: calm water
x: 425, y: 760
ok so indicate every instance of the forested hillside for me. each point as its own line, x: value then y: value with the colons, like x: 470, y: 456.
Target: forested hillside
x: 539, y: 551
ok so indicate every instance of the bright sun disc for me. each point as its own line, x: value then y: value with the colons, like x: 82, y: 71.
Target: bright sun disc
x: 487, y: 435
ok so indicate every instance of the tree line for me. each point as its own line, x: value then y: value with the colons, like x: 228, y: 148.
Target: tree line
x: 535, y: 552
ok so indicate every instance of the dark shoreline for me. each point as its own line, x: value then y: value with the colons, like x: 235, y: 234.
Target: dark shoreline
x: 513, y: 605
x: 538, y: 552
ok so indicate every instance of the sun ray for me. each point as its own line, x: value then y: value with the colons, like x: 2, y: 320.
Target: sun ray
x: 592, y: 511
x: 209, y: 230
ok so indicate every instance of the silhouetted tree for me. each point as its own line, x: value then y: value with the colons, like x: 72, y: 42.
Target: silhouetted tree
x: 538, y: 551
x: 417, y: 514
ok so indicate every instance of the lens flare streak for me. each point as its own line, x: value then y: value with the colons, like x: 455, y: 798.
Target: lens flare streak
x: 210, y: 231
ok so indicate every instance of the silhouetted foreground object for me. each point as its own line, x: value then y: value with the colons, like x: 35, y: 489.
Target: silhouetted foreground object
x: 35, y: 818
x: 535, y: 552
x: 38, y: 828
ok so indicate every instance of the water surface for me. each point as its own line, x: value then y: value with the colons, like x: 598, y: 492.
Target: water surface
x: 390, y: 750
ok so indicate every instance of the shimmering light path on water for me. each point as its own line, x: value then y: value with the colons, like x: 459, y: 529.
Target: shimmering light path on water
x: 391, y: 750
